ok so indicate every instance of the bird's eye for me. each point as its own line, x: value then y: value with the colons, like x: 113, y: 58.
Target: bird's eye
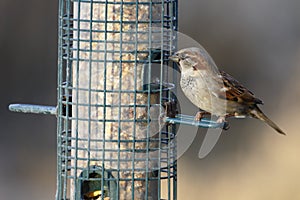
x: 183, y: 57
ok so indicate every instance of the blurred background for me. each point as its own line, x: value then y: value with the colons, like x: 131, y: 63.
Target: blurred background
x: 258, y: 42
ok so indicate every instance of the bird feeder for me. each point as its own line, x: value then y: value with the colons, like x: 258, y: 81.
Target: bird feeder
x: 116, y: 110
x: 108, y: 101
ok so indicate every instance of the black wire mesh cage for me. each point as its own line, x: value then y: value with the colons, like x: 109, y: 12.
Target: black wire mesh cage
x: 114, y: 90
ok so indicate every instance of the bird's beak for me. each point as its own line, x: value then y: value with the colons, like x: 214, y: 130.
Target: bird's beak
x: 174, y: 58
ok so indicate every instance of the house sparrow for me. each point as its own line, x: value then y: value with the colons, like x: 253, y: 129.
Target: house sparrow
x: 214, y: 91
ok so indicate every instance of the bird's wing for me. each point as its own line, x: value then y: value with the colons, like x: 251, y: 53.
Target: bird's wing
x: 232, y: 90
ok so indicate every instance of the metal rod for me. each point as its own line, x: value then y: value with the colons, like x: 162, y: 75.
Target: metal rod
x: 29, y: 108
x: 189, y: 120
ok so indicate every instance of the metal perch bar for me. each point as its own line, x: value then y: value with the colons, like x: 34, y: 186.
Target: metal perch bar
x: 36, y: 109
x: 52, y: 110
x: 189, y: 120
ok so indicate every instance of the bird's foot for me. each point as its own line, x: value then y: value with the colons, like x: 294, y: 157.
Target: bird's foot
x: 222, y: 119
x: 199, y: 115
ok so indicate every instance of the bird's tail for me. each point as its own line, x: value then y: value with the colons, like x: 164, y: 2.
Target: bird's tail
x: 257, y: 113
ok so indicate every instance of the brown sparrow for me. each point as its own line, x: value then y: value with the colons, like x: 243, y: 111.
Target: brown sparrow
x: 214, y: 91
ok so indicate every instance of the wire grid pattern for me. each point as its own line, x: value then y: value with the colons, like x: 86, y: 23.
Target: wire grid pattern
x: 112, y: 143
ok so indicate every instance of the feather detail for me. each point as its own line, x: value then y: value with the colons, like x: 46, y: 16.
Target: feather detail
x: 257, y: 113
x: 232, y: 90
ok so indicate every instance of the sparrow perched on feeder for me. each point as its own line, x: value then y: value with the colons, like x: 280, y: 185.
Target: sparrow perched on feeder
x: 214, y: 91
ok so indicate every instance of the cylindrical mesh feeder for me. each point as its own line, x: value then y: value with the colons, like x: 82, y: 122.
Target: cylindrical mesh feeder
x: 116, y: 110
x: 112, y: 140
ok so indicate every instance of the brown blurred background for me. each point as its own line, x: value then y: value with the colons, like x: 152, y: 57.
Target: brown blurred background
x: 258, y: 42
